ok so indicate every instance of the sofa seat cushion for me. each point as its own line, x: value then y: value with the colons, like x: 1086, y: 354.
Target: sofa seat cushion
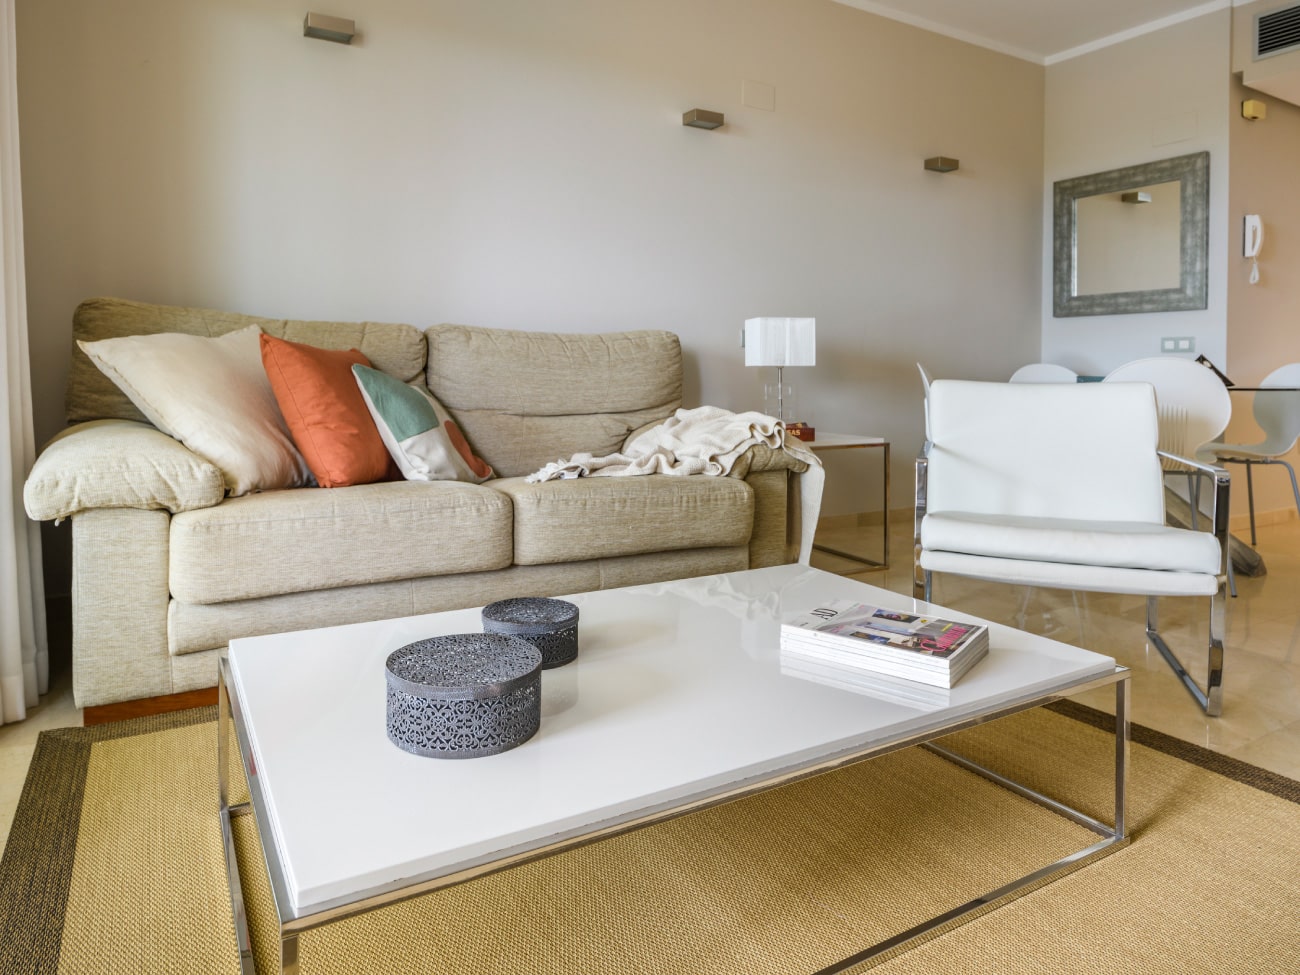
x: 597, y: 517
x: 306, y: 539
x: 1111, y: 544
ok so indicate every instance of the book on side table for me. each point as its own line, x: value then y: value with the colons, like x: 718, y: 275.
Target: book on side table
x: 926, y: 649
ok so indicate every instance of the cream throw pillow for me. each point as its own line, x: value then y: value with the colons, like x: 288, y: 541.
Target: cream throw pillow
x: 212, y: 395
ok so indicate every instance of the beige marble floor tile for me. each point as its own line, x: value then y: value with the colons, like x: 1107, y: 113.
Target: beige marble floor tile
x: 18, y: 742
x: 14, y: 760
x: 1278, y: 751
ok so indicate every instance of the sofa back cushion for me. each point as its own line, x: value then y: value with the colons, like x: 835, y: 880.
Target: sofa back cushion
x: 526, y: 398
x: 396, y: 349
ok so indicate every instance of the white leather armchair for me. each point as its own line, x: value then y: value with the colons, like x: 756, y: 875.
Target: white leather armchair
x: 1061, y: 486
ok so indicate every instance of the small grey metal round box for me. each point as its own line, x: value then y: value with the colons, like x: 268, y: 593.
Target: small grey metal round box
x: 464, y: 696
x: 551, y: 625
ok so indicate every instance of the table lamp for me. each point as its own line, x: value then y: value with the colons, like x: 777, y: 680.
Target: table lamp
x: 781, y: 342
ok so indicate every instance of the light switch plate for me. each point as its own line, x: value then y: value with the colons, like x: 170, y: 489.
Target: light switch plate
x: 1178, y: 344
x: 756, y: 94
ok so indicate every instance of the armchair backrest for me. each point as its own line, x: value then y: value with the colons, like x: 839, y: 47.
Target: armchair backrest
x: 1081, y: 451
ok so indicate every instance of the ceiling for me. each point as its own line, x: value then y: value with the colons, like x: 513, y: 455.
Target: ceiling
x: 1043, y: 31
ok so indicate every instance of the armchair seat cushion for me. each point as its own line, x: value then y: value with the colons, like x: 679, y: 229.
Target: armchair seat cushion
x: 1066, y: 575
x: 1105, y: 544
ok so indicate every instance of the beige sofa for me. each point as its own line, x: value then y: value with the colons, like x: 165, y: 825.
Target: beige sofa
x: 167, y: 569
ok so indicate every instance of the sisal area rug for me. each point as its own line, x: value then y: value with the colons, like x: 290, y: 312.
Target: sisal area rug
x: 114, y: 865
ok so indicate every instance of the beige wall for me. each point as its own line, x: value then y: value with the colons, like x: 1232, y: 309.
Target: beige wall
x: 1263, y: 319
x: 522, y: 164
x: 1153, y: 97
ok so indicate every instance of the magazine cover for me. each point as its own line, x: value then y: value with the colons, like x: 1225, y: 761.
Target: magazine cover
x: 927, y: 635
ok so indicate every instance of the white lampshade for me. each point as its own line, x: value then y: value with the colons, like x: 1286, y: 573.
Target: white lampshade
x: 780, y: 341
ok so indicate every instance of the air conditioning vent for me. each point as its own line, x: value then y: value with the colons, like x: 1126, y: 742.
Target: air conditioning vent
x: 1277, y: 32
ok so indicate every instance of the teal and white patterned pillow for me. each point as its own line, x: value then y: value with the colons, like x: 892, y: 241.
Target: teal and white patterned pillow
x: 417, y: 430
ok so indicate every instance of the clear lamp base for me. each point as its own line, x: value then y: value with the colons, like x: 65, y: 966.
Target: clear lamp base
x: 779, y: 400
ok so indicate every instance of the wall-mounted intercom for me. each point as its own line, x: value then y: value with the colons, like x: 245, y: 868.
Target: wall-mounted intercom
x: 1252, y: 241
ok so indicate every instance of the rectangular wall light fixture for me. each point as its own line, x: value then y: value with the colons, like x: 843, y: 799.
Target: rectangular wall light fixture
x: 702, y: 118
x: 326, y: 28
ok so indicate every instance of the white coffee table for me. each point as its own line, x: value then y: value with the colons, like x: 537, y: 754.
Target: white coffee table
x: 677, y: 698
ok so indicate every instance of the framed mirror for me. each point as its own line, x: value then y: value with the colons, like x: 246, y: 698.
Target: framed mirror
x: 1132, y: 240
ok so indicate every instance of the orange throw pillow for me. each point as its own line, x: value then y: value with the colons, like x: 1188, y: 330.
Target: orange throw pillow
x: 326, y: 413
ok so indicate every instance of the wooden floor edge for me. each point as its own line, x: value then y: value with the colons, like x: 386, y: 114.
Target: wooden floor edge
x: 147, y: 706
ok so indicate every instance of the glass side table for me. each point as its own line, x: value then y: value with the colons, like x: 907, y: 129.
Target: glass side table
x: 847, y: 441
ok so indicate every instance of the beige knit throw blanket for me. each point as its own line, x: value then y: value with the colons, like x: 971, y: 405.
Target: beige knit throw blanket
x: 705, y: 440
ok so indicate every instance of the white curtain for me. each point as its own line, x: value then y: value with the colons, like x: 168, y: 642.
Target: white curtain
x: 24, y: 658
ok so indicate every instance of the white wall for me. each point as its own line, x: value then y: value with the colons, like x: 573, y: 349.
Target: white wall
x: 1156, y: 96
x: 523, y: 165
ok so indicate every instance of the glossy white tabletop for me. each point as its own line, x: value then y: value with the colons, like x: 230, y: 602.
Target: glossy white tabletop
x: 830, y: 441
x: 677, y: 693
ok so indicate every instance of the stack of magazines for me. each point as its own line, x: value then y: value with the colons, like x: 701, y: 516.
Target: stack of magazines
x: 926, y: 649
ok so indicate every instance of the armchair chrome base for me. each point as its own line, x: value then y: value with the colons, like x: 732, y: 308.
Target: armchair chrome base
x: 1210, y: 698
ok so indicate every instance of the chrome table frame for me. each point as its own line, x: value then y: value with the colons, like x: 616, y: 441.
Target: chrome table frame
x: 857, y: 442
x: 293, y: 924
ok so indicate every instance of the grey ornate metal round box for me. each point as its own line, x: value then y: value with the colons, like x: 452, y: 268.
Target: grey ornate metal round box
x: 551, y: 625
x: 464, y: 696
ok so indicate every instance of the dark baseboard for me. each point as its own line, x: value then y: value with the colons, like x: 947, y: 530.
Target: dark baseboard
x: 147, y: 706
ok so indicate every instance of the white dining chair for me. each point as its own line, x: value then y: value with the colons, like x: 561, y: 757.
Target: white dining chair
x: 1194, y: 409
x: 925, y: 389
x: 1194, y: 405
x: 1044, y: 372
x: 1278, y: 415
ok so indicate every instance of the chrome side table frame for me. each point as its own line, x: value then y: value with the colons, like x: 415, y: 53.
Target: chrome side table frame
x: 230, y: 718
x: 841, y: 553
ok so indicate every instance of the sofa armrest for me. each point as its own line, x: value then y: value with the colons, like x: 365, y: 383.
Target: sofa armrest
x: 760, y: 457
x: 118, y: 464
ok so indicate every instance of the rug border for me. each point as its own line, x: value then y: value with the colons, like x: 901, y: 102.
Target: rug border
x: 1274, y: 783
x: 55, y: 787
x: 34, y: 871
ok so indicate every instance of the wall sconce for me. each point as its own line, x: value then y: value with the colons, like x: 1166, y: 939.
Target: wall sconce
x: 1253, y: 109
x: 702, y: 118
x: 1135, y: 196
x: 941, y: 164
x: 326, y: 28
x: 780, y: 342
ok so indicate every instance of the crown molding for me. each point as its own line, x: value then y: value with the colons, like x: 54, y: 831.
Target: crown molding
x: 934, y: 27
x: 969, y: 37
x: 1132, y: 32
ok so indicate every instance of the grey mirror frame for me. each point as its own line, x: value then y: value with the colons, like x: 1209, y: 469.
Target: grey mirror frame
x: 1193, y: 174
